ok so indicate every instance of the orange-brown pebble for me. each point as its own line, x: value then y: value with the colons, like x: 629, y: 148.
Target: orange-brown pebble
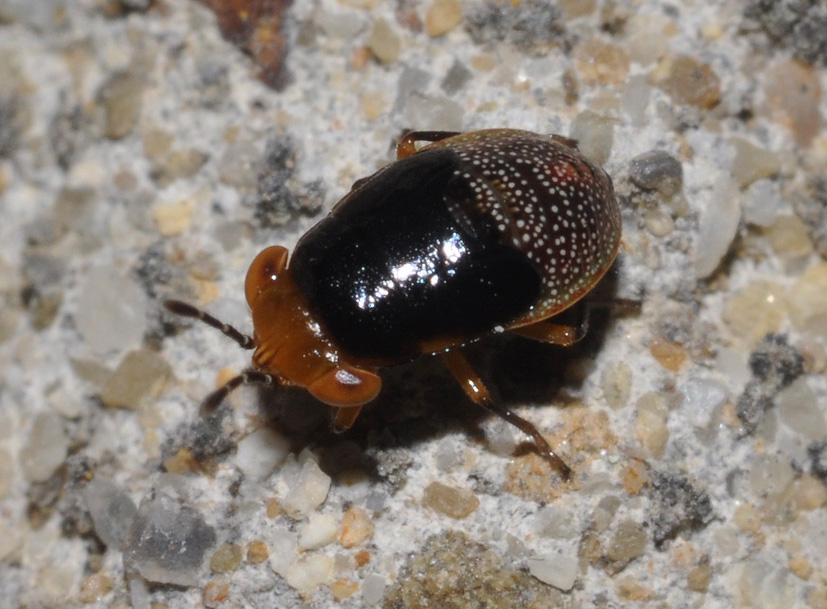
x: 634, y: 476
x: 343, y: 588
x: 257, y: 552
x: 182, y: 462
x: 449, y: 500
x: 273, y: 508
x: 362, y: 557
x: 356, y: 527
x: 95, y: 587
x: 215, y: 592
x: 668, y: 354
x: 255, y: 27
x: 360, y: 57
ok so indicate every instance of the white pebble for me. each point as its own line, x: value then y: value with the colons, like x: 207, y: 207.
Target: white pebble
x: 320, y: 530
x: 45, y: 449
x: 306, y: 575
x: 798, y: 409
x: 556, y: 570
x: 282, y: 545
x: 307, y: 491
x: 701, y: 397
x: 373, y: 589
x: 718, y: 227
x: 112, y: 311
x: 261, y: 452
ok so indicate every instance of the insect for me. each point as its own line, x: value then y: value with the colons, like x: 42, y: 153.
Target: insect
x: 471, y: 235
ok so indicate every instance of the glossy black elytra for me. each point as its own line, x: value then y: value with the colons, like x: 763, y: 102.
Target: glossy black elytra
x: 473, y: 234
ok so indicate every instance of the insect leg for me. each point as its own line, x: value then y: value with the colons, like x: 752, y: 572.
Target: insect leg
x: 477, y: 391
x: 547, y: 331
x: 552, y: 333
x: 344, y: 418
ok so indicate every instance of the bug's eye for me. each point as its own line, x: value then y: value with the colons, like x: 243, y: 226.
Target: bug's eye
x: 264, y: 271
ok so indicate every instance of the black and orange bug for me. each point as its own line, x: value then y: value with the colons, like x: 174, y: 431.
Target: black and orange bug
x: 473, y: 234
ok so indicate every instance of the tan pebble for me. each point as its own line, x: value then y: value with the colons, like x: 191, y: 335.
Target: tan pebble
x: 810, y: 493
x: 484, y: 63
x: 224, y: 375
x: 627, y: 543
x: 752, y: 163
x: 122, y: 98
x: 629, y: 589
x: 668, y: 354
x: 817, y: 596
x: 729, y: 415
x: 712, y: 31
x: 806, y: 301
x: 449, y: 500
x: 227, y: 558
x: 650, y: 423
x: 383, y: 42
x: 373, y: 105
x: 442, y: 17
x: 172, y: 218
x: 206, y: 291
x: 793, y: 90
x: 687, y: 81
x: 357, y: 527
x: 141, y: 373
x: 125, y: 180
x: 95, y: 587
x: 801, y: 567
x: 699, y: 577
x: 183, y: 163
x: 616, y: 383
x: 601, y: 62
x: 273, y: 508
x: 747, y: 518
x: 257, y: 552
x: 634, y: 476
x: 157, y: 143
x: 755, y: 311
x: 343, y: 588
x: 789, y: 237
x: 572, y: 9
x: 591, y: 550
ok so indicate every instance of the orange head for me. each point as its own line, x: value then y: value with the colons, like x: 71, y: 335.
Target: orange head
x: 291, y: 344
